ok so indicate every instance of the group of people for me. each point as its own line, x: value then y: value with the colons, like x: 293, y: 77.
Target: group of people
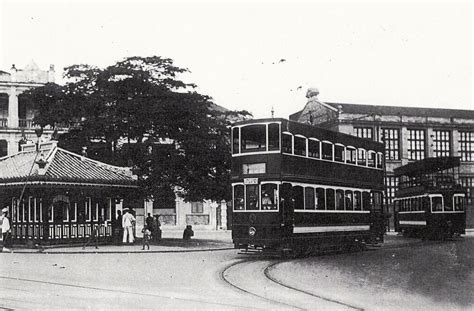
x: 123, y: 227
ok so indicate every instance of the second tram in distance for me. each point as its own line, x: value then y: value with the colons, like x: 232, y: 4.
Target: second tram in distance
x: 430, y: 200
x: 298, y: 188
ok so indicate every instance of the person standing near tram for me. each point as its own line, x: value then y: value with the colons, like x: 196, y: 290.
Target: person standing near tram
x: 127, y: 222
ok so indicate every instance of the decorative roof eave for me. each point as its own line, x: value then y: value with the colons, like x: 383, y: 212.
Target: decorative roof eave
x: 56, y: 183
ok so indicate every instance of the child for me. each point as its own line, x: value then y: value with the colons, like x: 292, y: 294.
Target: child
x: 146, y: 237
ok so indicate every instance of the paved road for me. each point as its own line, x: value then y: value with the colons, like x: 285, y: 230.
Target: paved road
x: 433, y: 276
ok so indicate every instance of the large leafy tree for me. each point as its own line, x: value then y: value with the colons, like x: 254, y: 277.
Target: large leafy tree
x: 139, y: 112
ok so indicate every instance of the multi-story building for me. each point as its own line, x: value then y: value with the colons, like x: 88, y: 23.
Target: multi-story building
x: 409, y: 133
x: 16, y: 115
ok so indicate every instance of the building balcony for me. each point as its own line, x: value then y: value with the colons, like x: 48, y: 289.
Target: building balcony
x: 3, y: 122
x: 25, y: 123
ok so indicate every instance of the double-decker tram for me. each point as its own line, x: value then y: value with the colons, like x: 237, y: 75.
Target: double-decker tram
x: 298, y: 188
x: 430, y: 200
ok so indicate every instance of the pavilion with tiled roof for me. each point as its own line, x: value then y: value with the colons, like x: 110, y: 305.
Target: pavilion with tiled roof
x: 56, y: 196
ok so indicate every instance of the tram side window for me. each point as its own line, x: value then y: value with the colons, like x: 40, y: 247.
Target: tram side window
x: 361, y: 160
x: 330, y: 199
x: 436, y: 204
x: 300, y: 146
x: 379, y: 160
x: 253, y: 138
x: 269, y: 196
x: 458, y: 203
x: 425, y: 203
x: 238, y: 197
x: 298, y: 196
x: 251, y: 201
x: 377, y: 201
x: 273, y: 136
x: 351, y: 155
x: 448, y: 203
x: 327, y: 151
x: 366, y: 201
x: 357, y: 201
x: 339, y: 200
x: 287, y: 143
x: 371, y: 159
x: 309, y: 199
x: 338, y: 153
x: 235, y: 140
x: 320, y: 199
x: 349, y: 200
x: 313, y: 149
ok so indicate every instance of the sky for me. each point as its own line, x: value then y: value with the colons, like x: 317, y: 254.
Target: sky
x: 258, y: 55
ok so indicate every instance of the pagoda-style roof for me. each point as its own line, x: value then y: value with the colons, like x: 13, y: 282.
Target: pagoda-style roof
x: 62, y: 167
x: 427, y: 166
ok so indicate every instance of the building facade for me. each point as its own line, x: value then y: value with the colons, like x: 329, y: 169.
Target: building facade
x: 16, y: 116
x: 409, y: 134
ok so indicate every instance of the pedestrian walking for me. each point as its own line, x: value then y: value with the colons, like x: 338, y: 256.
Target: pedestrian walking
x: 94, y: 237
x: 149, y: 221
x: 155, y: 229
x: 6, y: 230
x: 146, y: 237
x: 188, y: 232
x: 118, y: 228
x: 127, y: 223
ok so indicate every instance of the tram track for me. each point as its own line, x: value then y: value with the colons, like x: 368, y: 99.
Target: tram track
x: 120, y: 292
x: 275, y: 291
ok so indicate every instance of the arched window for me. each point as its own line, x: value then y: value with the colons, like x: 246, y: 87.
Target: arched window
x: 327, y: 150
x: 298, y: 196
x: 339, y: 152
x: 320, y: 198
x: 239, y: 197
x: 309, y: 200
x: 349, y: 200
x: 314, y: 148
x: 287, y: 143
x: 269, y: 196
x: 330, y: 199
x: 340, y: 199
x: 300, y: 145
x: 371, y: 159
x: 351, y: 155
x: 361, y: 158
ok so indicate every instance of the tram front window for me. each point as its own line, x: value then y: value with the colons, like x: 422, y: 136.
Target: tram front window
x: 251, y: 201
x: 436, y: 204
x: 269, y: 196
x: 239, y: 197
x: 235, y: 140
x: 253, y: 138
x: 273, y: 136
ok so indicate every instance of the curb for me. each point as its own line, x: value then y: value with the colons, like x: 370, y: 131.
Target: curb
x: 121, y: 252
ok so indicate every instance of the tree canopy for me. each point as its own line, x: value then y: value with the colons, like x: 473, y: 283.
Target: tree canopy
x: 138, y: 112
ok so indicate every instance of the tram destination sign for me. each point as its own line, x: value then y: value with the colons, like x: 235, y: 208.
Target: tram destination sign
x: 250, y: 181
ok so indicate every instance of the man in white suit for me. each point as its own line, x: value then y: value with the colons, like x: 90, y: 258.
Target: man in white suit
x: 127, y: 222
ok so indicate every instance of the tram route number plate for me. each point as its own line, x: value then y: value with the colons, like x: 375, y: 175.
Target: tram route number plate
x: 250, y: 181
